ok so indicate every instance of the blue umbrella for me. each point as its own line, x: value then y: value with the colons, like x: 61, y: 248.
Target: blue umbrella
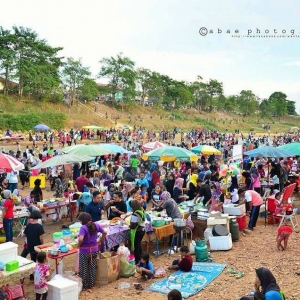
x: 268, y: 151
x: 115, y: 148
x: 41, y: 127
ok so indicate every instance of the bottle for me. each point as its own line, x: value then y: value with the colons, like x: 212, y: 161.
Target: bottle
x: 61, y: 243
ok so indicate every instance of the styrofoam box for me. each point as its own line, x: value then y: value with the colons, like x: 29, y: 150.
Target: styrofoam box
x: 62, y: 289
x: 211, y: 222
x: 217, y: 243
x: 8, y: 252
x: 234, y: 210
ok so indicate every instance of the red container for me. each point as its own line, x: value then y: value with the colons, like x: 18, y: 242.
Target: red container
x: 241, y: 220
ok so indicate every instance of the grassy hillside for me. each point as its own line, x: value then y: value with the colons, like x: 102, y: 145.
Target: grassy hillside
x: 150, y: 117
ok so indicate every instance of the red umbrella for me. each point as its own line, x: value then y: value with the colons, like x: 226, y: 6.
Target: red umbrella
x: 152, y: 145
x: 9, y: 163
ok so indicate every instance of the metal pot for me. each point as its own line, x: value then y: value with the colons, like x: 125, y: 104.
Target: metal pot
x: 54, y: 252
x: 180, y: 222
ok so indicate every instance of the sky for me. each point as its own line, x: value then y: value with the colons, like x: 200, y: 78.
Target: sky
x: 164, y: 36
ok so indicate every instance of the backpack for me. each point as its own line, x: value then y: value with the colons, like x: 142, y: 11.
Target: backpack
x: 254, y: 172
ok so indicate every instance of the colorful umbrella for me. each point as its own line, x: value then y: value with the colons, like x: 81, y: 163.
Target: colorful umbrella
x: 206, y: 150
x: 152, y: 145
x: 86, y: 150
x: 92, y: 127
x: 268, y: 151
x: 63, y: 159
x: 115, y: 148
x: 9, y: 163
x: 170, y: 153
x: 292, y: 147
x: 41, y: 127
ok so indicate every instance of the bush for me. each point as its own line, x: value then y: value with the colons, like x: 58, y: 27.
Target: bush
x: 25, y: 122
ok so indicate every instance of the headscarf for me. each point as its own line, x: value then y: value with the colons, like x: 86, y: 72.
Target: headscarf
x: 234, y: 184
x: 153, y: 166
x: 165, y: 196
x: 105, y: 175
x: 267, y: 280
x: 217, y: 192
x: 128, y: 187
x: 193, y: 179
x: 179, y: 183
x: 6, y: 194
x: 16, y: 192
x: 201, y: 175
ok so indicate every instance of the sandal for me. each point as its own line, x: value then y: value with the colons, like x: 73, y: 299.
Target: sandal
x: 231, y: 271
x: 239, y: 275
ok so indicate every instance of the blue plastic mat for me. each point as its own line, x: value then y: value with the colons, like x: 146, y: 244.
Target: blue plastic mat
x: 189, y: 283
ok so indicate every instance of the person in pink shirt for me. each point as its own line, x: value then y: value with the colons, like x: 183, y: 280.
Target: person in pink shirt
x: 255, y: 201
x: 41, y: 272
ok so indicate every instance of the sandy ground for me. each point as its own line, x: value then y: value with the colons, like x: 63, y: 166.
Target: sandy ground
x: 251, y: 251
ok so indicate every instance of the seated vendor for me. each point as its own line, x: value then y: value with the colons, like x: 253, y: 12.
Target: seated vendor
x: 117, y: 206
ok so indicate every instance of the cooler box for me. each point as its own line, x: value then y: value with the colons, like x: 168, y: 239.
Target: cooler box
x: 62, y: 289
x: 33, y: 178
x: 217, y: 243
x: 8, y: 252
x: 234, y: 210
x: 242, y: 221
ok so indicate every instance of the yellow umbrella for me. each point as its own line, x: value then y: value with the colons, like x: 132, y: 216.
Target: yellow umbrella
x: 206, y: 150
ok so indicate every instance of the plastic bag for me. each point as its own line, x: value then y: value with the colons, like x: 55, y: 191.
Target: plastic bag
x: 126, y: 269
x: 124, y: 251
x: 60, y: 269
x: 192, y: 246
x: 160, y: 272
x: 189, y: 223
x: 63, y: 212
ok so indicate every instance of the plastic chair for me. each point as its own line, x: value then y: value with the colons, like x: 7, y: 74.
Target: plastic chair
x: 289, y: 218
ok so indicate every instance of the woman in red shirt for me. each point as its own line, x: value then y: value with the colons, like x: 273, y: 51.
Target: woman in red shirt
x: 8, y: 215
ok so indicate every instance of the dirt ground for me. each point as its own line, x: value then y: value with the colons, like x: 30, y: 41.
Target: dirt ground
x: 251, y: 251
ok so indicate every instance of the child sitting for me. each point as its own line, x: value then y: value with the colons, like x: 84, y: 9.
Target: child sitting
x: 41, y: 271
x: 185, y: 263
x: 283, y: 235
x: 145, y: 267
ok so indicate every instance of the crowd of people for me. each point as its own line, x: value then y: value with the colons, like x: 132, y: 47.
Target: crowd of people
x: 124, y: 185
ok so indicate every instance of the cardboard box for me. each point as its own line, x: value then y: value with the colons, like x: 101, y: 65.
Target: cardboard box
x: 107, y: 269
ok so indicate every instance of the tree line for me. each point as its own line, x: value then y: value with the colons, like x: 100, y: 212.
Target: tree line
x: 43, y: 74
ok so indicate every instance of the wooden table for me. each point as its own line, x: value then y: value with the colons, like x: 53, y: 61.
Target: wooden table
x: 26, y: 267
x: 57, y: 209
x: 161, y: 232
